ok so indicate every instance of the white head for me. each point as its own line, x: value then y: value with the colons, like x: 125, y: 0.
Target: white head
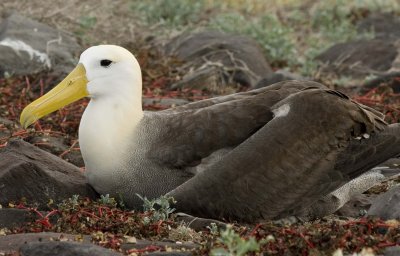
x: 104, y: 73
x: 110, y: 75
x: 106, y: 64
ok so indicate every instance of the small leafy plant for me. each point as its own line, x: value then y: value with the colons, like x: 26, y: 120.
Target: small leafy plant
x: 160, y: 208
x: 235, y: 245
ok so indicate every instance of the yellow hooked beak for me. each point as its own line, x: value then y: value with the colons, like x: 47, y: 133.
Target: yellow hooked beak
x: 71, y: 89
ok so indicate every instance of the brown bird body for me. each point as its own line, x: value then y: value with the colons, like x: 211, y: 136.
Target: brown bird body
x: 263, y: 154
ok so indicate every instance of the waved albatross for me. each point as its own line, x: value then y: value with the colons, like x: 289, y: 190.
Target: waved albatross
x: 262, y: 154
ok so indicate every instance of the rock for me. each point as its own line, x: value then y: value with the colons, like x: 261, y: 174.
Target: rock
x: 357, y: 206
x: 391, y: 79
x: 198, y: 224
x: 358, y: 58
x: 142, y: 244
x: 392, y: 251
x: 50, y: 248
x: 387, y: 205
x: 278, y: 76
x: 214, y: 59
x: 29, y: 172
x: 29, y: 47
x: 13, y: 243
x: 169, y: 254
x: 57, y: 146
x: 10, y: 217
x: 383, y: 25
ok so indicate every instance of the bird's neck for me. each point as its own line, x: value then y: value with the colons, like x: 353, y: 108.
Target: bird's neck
x: 107, y: 126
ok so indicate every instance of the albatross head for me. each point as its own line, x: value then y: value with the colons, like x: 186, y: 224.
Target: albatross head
x: 103, y: 72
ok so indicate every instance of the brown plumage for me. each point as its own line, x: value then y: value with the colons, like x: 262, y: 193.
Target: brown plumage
x: 272, y: 167
x: 263, y: 154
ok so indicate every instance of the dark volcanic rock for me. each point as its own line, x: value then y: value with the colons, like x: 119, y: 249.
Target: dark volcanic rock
x: 357, y: 206
x: 21, y: 242
x: 216, y: 59
x: 198, y: 224
x: 29, y: 47
x: 387, y: 205
x: 383, y: 25
x: 29, y: 172
x: 10, y: 218
x: 57, y: 146
x: 392, y: 251
x: 50, y: 248
x: 12, y: 243
x: 142, y: 244
x: 359, y: 58
x: 169, y: 254
x: 391, y: 79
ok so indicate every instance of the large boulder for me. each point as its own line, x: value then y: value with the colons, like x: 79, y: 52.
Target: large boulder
x: 31, y: 173
x: 50, y: 248
x: 383, y: 25
x: 357, y: 206
x: 214, y: 59
x: 12, y: 218
x: 49, y: 243
x: 359, y: 58
x: 387, y: 205
x: 28, y: 47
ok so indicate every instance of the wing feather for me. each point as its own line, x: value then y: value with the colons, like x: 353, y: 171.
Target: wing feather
x: 289, y: 162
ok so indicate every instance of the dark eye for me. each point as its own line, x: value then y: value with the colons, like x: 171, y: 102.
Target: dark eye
x: 105, y: 63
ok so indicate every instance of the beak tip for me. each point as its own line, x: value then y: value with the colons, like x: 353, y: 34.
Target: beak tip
x: 26, y: 119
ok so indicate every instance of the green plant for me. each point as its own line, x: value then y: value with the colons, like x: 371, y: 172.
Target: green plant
x: 85, y: 23
x: 160, y: 208
x: 73, y: 201
x: 267, y: 30
x: 213, y: 228
x: 107, y: 200
x: 176, y: 13
x: 235, y: 245
x: 184, y: 233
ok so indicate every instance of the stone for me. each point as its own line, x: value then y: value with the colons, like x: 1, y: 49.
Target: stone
x: 11, y: 218
x: 391, y: 79
x: 50, y: 248
x: 359, y: 58
x: 198, y: 224
x: 29, y: 47
x: 169, y: 254
x: 142, y: 244
x: 357, y: 206
x: 12, y: 243
x: 387, y: 205
x: 215, y: 59
x: 392, y: 251
x: 38, y: 176
x: 16, y: 242
x: 57, y: 146
x: 383, y: 25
